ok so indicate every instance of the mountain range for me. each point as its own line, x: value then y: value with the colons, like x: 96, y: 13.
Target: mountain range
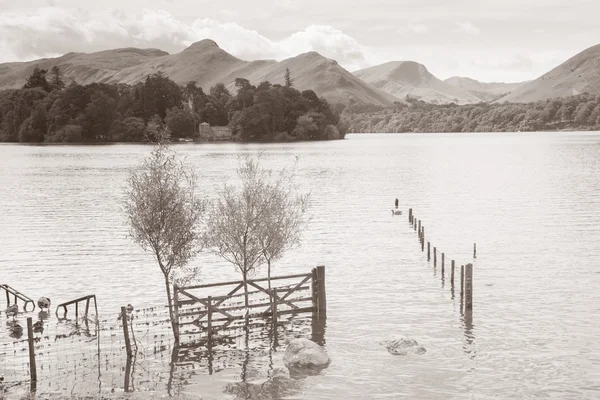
x: 207, y: 64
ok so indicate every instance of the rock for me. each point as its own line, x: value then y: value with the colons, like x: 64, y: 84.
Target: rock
x: 305, y: 354
x: 403, y: 347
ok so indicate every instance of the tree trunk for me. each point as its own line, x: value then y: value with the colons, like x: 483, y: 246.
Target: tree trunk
x: 245, y: 273
x: 174, y: 323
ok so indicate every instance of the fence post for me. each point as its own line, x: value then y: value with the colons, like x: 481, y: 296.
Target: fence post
x: 462, y: 280
x: 469, y: 287
x: 321, y: 296
x: 274, y: 309
x: 32, y: 367
x: 452, y: 274
x: 314, y: 288
x: 443, y: 260
x: 410, y: 215
x: 176, y: 311
x: 209, y: 318
x: 474, y: 250
x: 126, y: 332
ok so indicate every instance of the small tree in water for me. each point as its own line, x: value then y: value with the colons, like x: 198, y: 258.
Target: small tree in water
x: 235, y: 222
x: 164, y: 214
x: 285, y: 219
x: 256, y: 222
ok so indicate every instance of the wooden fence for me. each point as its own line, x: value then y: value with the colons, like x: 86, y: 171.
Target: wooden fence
x: 466, y: 271
x: 205, y: 314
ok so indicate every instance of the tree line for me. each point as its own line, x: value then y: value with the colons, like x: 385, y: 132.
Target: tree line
x: 48, y: 110
x: 580, y: 112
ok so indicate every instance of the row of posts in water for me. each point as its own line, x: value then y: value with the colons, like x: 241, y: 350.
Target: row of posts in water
x: 466, y: 271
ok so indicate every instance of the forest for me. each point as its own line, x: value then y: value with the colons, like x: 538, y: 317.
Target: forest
x: 580, y: 112
x: 48, y: 110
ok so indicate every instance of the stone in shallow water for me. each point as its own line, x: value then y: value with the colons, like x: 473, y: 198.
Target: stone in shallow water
x: 305, y: 354
x: 403, y: 346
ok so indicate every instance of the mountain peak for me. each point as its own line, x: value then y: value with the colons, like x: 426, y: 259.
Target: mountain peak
x: 203, y: 44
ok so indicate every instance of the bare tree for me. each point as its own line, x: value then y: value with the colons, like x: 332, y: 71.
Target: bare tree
x: 235, y: 221
x: 257, y: 221
x: 164, y: 214
x: 285, y: 219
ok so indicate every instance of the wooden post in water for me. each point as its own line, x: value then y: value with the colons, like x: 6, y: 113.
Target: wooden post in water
x: 469, y: 287
x: 419, y: 228
x: 314, y: 288
x: 209, y: 319
x: 452, y: 274
x: 423, y: 239
x: 443, y: 259
x: 126, y: 333
x: 410, y: 215
x: 321, y: 296
x: 176, y: 311
x: 32, y: 366
x: 428, y: 251
x: 462, y: 280
x: 274, y: 310
x: 474, y: 250
x: 434, y: 256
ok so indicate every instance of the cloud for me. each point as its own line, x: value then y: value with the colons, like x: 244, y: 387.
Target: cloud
x: 419, y: 29
x: 53, y: 31
x: 468, y: 28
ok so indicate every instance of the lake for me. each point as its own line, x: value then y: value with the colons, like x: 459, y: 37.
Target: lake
x: 531, y: 202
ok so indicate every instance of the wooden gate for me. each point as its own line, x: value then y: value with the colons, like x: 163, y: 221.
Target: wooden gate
x: 202, y: 311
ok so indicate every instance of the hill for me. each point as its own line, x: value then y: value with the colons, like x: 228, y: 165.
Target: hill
x: 408, y: 78
x: 83, y: 68
x: 579, y: 74
x: 483, y: 90
x: 207, y: 64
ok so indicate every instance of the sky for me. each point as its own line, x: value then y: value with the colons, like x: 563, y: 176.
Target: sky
x: 491, y: 41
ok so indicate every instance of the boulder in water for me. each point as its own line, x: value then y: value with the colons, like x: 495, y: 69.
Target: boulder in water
x: 403, y: 347
x: 305, y: 354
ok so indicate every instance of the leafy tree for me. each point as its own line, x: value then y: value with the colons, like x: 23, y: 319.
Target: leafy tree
x: 56, y: 81
x: 97, y: 117
x: 37, y: 79
x: 164, y: 215
x: 180, y: 122
x: 210, y: 114
x: 67, y: 134
x: 35, y: 127
x: 289, y: 82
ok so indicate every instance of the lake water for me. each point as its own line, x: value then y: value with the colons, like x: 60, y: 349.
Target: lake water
x: 531, y: 202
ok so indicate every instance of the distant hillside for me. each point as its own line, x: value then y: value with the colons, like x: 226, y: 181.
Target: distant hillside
x: 579, y: 74
x: 207, y: 64
x: 408, y: 78
x: 485, y: 91
x: 325, y: 76
x: 82, y: 67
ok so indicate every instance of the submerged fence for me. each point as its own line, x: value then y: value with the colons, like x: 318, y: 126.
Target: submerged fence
x: 135, y: 349
x: 466, y: 270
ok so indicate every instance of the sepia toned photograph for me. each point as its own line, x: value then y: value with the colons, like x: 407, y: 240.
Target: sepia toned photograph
x: 286, y: 200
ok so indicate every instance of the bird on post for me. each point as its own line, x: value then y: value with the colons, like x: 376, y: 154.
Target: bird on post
x: 43, y: 302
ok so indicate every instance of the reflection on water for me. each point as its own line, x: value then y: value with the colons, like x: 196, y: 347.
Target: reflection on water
x: 79, y: 356
x: 530, y: 201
